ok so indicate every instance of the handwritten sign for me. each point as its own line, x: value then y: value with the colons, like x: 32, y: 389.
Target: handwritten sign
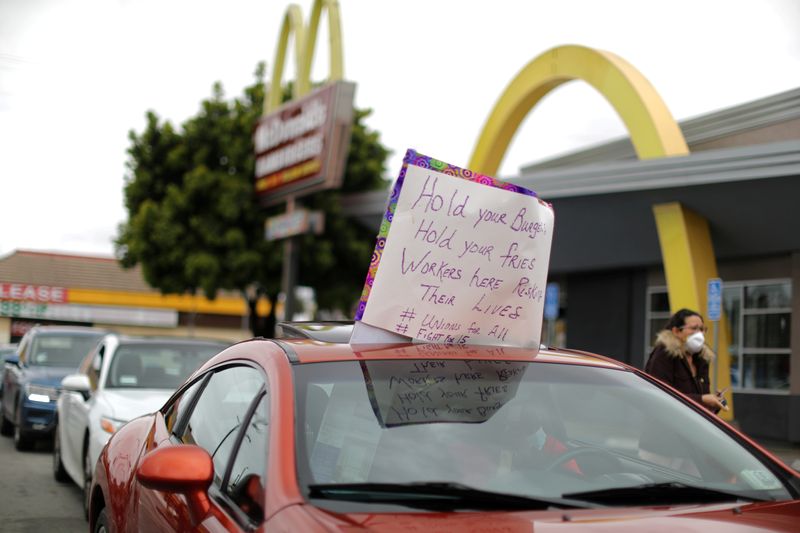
x: 461, y: 258
x: 427, y: 391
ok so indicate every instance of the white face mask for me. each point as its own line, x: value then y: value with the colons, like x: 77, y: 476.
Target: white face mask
x: 694, y: 342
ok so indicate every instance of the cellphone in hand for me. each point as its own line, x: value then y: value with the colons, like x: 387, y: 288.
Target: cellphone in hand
x: 722, y: 399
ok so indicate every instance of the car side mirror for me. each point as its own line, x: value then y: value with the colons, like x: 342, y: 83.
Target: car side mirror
x: 184, y: 469
x: 77, y: 383
x: 12, y: 360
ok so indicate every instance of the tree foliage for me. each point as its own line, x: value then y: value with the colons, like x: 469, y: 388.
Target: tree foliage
x: 194, y: 224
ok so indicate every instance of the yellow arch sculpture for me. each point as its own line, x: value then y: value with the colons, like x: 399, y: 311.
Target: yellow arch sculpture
x: 684, y: 236
x: 653, y: 131
x: 305, y: 40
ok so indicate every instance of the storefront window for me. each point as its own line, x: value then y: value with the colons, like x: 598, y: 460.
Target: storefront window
x: 759, y: 316
x: 766, y: 371
x: 657, y: 315
x: 768, y: 296
x: 765, y: 333
x: 767, y: 330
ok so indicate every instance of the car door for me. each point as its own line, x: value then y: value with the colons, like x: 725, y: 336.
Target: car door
x: 75, y: 415
x: 12, y: 375
x: 214, y: 414
x: 246, y: 476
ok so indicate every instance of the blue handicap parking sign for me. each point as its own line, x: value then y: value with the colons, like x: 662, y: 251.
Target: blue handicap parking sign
x: 714, y: 299
x: 551, y: 301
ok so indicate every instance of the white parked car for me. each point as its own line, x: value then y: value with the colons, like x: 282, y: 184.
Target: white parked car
x: 123, y: 378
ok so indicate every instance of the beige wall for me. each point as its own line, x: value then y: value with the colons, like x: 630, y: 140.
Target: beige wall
x: 757, y: 268
x: 5, y: 330
x: 223, y: 334
x: 782, y: 131
x: 739, y: 270
x: 231, y: 335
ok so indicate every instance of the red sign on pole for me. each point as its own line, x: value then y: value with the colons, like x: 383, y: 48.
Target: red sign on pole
x: 302, y: 147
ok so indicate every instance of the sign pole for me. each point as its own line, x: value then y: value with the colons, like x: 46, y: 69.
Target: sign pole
x: 716, y: 348
x: 551, y: 303
x: 714, y: 313
x: 289, y: 277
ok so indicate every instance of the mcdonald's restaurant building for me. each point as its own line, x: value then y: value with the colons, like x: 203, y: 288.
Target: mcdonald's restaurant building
x: 743, y: 177
x: 48, y: 288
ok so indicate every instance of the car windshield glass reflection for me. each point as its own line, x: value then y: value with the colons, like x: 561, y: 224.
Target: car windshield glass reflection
x: 60, y: 350
x: 154, y: 366
x: 531, y: 429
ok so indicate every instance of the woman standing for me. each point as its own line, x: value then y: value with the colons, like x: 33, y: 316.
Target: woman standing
x: 681, y: 358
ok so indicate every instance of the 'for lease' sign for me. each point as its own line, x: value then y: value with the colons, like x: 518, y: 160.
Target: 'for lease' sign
x: 33, y: 293
x: 460, y: 258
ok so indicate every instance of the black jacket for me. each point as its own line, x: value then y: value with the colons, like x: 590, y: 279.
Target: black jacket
x: 668, y: 363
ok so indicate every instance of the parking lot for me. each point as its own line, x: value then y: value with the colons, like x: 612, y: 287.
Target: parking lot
x: 31, y: 499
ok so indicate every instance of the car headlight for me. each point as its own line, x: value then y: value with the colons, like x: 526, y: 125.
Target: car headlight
x: 40, y: 393
x: 111, y: 425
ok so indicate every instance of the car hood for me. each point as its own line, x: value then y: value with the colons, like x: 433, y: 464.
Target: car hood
x: 47, y: 375
x: 772, y: 516
x: 131, y: 403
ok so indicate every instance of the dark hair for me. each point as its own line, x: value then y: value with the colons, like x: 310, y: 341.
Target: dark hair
x: 678, y: 320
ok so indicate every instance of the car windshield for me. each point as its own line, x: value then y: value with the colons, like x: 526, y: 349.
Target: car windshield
x: 156, y: 366
x: 61, y: 349
x: 538, y: 430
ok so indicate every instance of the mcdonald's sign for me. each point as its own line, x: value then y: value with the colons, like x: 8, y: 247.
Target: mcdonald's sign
x: 302, y: 147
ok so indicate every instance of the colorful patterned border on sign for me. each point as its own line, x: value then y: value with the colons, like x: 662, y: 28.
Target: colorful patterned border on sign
x: 423, y: 161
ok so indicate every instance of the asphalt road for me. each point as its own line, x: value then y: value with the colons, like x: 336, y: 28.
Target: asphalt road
x: 30, y: 499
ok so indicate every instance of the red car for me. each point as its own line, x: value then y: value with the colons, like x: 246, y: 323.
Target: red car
x: 310, y: 435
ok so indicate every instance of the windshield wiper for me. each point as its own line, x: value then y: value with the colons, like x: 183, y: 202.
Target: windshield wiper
x: 438, y: 496
x: 658, y: 494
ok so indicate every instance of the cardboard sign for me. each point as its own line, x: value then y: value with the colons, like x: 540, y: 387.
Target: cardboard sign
x: 461, y: 258
x: 429, y: 391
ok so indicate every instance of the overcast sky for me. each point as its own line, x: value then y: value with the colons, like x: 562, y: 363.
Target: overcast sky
x: 77, y: 75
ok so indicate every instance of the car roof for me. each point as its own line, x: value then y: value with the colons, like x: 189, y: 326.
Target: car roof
x: 304, y: 351
x: 314, y: 342
x: 301, y: 351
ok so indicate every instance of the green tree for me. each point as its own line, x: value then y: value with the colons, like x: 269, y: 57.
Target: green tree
x: 194, y: 224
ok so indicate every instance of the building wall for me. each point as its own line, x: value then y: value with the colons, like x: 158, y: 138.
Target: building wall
x: 231, y: 335
x: 764, y: 267
x: 228, y: 329
x: 763, y: 415
x: 781, y: 131
x: 606, y: 313
x: 794, y: 368
x: 794, y: 376
x: 5, y: 330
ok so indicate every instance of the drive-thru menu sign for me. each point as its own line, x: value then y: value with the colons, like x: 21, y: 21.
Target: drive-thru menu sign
x: 461, y: 258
